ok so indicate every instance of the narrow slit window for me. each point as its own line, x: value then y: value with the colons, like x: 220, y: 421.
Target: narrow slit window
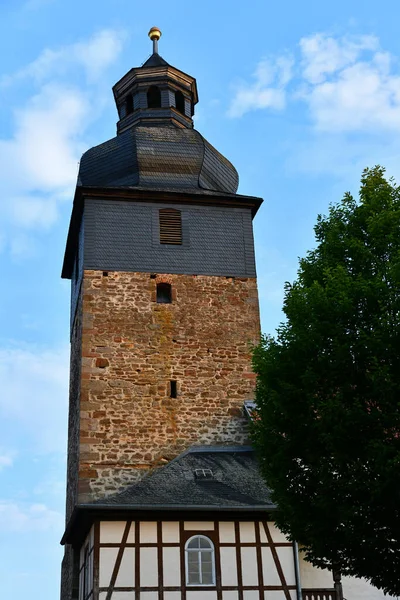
x: 180, y: 102
x: 170, y: 226
x: 173, y: 389
x: 164, y: 293
x: 153, y: 97
x: 129, y: 104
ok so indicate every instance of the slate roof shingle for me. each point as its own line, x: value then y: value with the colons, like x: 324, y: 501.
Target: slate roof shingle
x: 158, y: 157
x: 236, y: 483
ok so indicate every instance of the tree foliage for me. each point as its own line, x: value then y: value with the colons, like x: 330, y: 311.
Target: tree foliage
x: 328, y: 391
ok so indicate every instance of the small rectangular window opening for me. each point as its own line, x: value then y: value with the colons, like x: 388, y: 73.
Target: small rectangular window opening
x: 164, y: 293
x: 173, y: 391
x: 170, y: 226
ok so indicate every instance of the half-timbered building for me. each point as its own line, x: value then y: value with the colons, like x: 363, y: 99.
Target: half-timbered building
x: 164, y: 497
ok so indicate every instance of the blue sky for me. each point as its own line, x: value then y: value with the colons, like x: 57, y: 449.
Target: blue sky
x: 300, y: 96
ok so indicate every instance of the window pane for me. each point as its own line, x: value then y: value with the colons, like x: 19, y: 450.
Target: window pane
x: 194, y: 579
x: 205, y: 543
x: 193, y: 567
x: 206, y: 556
x: 207, y: 578
x: 193, y: 558
x: 194, y: 543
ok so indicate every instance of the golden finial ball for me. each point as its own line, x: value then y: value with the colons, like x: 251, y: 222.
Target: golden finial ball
x: 154, y: 33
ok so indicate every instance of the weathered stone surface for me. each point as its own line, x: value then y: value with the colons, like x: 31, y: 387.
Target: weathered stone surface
x: 133, y: 347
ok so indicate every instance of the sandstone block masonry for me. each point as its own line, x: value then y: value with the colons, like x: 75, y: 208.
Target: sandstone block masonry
x: 133, y: 347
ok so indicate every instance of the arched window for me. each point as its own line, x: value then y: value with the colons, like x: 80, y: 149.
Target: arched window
x: 200, y: 561
x: 180, y: 102
x: 164, y: 293
x: 153, y: 97
x: 129, y: 104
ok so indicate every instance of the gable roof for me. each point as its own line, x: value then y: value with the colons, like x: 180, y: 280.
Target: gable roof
x: 236, y: 482
x: 233, y: 487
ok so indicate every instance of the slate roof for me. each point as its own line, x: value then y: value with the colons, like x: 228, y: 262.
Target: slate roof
x: 158, y: 157
x: 236, y: 483
x: 155, y: 60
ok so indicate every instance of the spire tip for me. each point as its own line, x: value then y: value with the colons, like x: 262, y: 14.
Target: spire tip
x: 155, y: 34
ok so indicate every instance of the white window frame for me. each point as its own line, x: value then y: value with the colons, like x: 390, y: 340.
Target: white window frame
x: 199, y: 551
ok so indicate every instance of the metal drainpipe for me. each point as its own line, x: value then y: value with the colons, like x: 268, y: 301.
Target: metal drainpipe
x: 299, y: 594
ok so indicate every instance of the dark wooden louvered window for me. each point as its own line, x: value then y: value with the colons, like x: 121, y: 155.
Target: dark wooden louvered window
x: 170, y: 226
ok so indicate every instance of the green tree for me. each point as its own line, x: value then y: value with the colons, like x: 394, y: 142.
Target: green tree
x: 328, y: 391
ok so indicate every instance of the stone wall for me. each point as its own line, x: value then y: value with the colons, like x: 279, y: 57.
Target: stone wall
x: 132, y: 347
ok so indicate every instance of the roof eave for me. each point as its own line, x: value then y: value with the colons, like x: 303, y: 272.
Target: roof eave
x: 252, y: 202
x: 88, y: 513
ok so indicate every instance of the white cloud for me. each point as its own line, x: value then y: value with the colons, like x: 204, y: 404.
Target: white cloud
x: 34, y: 384
x: 99, y: 52
x: 348, y: 84
x: 6, y: 460
x: 20, y: 518
x: 323, y: 55
x: 351, y: 85
x: 95, y: 54
x: 46, y: 142
x: 39, y: 162
x: 267, y: 89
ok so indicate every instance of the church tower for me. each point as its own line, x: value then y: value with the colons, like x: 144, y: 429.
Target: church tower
x: 164, y: 499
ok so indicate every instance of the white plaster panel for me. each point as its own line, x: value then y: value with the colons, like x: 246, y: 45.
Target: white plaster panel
x: 228, y: 566
x: 172, y: 596
x: 249, y: 566
x: 199, y: 526
x: 230, y: 595
x: 148, y: 532
x: 148, y: 595
x: 277, y: 535
x: 276, y: 595
x: 170, y: 532
x: 286, y: 558
x: 251, y: 595
x: 312, y: 577
x: 263, y: 535
x: 124, y: 596
x: 172, y: 567
x: 209, y: 595
x: 270, y: 574
x: 107, y: 560
x: 148, y: 567
x: 360, y: 589
x: 227, y: 532
x: 126, y: 573
x: 354, y: 589
x: 111, y: 532
x: 102, y: 595
x: 247, y: 533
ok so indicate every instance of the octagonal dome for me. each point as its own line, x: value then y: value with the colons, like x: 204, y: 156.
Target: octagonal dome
x: 159, y: 158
